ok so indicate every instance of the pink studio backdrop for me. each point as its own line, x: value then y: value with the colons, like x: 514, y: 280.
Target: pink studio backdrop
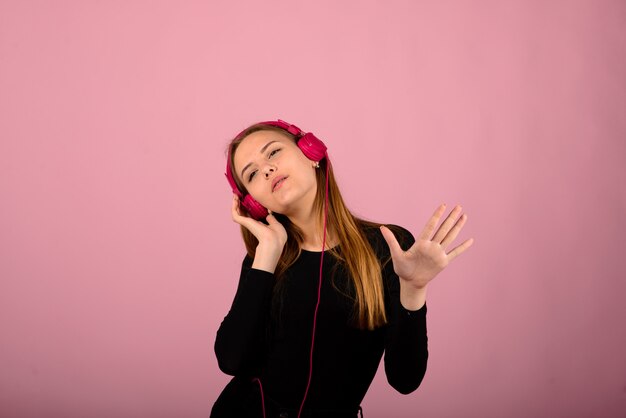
x: 118, y: 256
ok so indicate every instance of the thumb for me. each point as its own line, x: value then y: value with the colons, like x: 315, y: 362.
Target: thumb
x: 270, y: 218
x: 392, y: 242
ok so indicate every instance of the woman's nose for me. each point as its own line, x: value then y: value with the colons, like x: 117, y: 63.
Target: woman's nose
x: 268, y: 170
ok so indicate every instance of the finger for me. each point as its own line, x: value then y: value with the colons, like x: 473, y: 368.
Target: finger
x: 271, y: 219
x: 460, y: 249
x: 236, y: 212
x: 240, y: 218
x: 392, y: 242
x: 432, y: 223
x: 249, y: 223
x: 454, y: 231
x: 234, y: 207
x: 447, y: 224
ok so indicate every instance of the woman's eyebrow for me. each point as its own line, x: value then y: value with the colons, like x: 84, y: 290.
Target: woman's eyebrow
x: 260, y: 152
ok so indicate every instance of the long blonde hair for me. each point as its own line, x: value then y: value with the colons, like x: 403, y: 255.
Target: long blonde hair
x: 356, y: 255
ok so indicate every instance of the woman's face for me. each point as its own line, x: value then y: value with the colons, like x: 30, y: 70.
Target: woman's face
x: 263, y: 159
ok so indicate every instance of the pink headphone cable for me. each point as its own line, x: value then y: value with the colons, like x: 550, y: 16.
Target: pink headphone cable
x: 319, y: 293
x: 262, y: 397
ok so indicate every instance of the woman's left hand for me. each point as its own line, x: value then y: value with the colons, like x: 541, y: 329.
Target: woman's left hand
x: 427, y: 257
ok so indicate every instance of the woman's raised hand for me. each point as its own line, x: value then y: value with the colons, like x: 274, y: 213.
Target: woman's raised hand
x: 428, y: 256
x: 272, y: 237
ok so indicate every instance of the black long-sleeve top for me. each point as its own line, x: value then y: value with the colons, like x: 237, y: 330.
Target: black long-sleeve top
x: 251, y: 342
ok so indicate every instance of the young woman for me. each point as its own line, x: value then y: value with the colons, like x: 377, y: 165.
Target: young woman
x: 322, y: 294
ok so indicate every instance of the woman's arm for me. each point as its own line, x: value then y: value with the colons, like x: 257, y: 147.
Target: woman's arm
x: 239, y: 345
x: 406, y: 347
x: 406, y: 340
x: 414, y: 266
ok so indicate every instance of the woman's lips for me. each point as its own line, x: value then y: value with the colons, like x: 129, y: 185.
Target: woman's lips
x: 279, y: 183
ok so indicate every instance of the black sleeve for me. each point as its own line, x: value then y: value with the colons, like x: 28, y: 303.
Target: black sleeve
x: 239, y: 343
x: 406, y: 342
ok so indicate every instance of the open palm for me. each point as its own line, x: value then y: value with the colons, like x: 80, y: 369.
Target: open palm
x: 428, y: 257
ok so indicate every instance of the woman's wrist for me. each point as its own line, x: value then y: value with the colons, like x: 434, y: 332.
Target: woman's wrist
x: 412, y: 298
x: 266, y: 258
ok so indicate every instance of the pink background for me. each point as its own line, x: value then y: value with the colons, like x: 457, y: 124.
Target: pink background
x: 118, y: 256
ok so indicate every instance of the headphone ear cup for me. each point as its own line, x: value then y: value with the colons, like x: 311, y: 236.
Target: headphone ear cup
x: 312, y: 147
x: 254, y: 208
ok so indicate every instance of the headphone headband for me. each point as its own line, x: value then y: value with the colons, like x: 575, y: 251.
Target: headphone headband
x: 292, y: 129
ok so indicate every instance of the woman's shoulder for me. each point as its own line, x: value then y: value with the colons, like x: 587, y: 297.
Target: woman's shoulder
x: 372, y: 230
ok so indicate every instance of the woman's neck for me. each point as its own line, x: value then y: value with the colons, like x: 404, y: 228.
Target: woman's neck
x: 313, y: 233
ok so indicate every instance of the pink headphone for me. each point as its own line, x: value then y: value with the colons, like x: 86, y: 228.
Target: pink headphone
x: 312, y: 147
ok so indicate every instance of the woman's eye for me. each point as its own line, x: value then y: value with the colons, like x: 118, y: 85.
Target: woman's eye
x: 274, y: 152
